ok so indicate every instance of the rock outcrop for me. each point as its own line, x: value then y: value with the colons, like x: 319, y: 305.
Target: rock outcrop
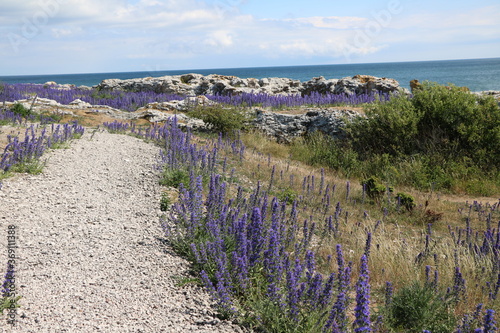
x: 283, y: 127
x: 197, y: 84
x: 492, y: 93
x: 286, y: 127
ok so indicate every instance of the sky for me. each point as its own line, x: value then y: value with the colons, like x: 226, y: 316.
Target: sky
x: 96, y: 36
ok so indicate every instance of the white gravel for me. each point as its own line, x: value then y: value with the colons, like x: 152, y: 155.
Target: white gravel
x: 91, y: 251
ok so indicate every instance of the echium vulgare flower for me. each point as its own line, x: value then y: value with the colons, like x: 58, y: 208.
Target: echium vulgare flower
x: 368, y: 244
x: 337, y: 321
x: 458, y: 285
x: 255, y: 234
x: 362, y: 310
x: 489, y: 322
x: 8, y: 281
x: 294, y: 287
x: 326, y: 295
x: 389, y: 290
x: 273, y: 263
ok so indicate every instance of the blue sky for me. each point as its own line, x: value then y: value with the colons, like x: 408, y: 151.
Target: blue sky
x: 91, y: 36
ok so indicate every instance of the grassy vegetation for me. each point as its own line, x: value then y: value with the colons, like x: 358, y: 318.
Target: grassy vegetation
x: 224, y: 120
x: 442, y: 138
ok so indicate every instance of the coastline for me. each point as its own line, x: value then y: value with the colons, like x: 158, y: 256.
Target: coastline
x: 477, y: 74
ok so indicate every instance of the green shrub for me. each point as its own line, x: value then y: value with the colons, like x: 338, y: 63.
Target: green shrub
x: 443, y: 138
x: 389, y: 127
x: 446, y: 121
x: 222, y: 119
x: 101, y: 95
x: 459, y: 123
x: 287, y: 195
x: 419, y: 307
x: 406, y: 200
x: 374, y: 189
x: 165, y: 202
x: 174, y: 178
x: 21, y: 110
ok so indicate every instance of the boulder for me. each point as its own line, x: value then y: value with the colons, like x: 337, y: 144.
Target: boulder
x: 492, y: 93
x: 181, y: 105
x: 366, y: 84
x: 80, y: 104
x: 285, y: 127
x: 319, y: 85
x: 153, y: 116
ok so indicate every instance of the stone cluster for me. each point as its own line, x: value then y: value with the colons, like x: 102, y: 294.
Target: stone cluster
x: 197, y: 84
x: 286, y: 127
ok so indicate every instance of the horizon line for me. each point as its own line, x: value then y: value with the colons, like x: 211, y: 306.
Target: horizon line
x: 188, y: 71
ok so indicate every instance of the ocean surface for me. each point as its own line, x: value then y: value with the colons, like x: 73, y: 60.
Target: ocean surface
x: 476, y: 74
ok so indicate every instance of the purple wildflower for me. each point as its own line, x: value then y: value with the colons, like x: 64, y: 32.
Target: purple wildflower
x: 489, y: 322
x: 362, y: 322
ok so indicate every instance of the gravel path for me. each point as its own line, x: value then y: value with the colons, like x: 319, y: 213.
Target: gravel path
x: 91, y: 255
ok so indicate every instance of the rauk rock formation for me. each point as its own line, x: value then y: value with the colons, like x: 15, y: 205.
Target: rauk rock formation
x: 197, y: 84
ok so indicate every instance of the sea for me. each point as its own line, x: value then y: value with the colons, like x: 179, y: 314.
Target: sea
x: 476, y: 74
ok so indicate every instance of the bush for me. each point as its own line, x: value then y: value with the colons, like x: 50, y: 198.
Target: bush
x: 165, y: 202
x: 444, y: 138
x: 19, y: 109
x: 419, y: 307
x: 459, y: 123
x: 287, y: 195
x: 389, y: 127
x: 406, y: 201
x: 174, y: 178
x: 222, y: 119
x: 446, y: 121
x: 374, y: 189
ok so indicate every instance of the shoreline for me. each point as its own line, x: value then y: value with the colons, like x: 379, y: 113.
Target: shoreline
x: 477, y: 74
x: 298, y: 83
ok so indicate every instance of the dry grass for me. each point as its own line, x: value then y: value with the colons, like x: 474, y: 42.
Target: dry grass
x: 5, y: 131
x: 398, y: 238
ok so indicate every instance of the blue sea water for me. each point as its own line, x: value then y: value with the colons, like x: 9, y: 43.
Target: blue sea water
x: 476, y: 74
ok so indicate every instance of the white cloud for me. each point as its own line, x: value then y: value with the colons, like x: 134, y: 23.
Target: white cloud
x: 485, y: 17
x: 191, y: 27
x: 176, y: 32
x: 65, y: 32
x: 219, y: 38
x: 329, y: 22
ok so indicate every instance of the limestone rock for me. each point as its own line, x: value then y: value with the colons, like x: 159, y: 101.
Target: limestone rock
x: 285, y: 127
x: 180, y: 105
x: 197, y: 84
x: 80, y: 104
x: 319, y: 85
x: 365, y: 84
x: 153, y: 116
